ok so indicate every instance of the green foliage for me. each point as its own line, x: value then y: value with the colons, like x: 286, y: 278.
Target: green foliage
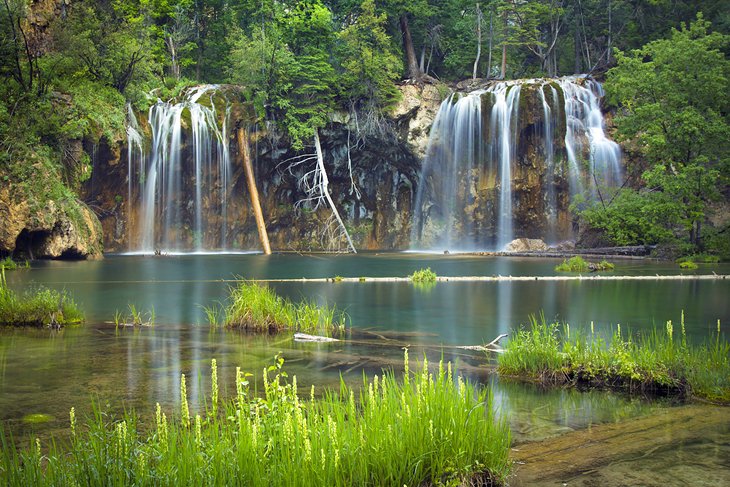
x: 424, y: 429
x: 574, y: 264
x: 688, y: 265
x: 8, y: 264
x: 253, y: 307
x: 38, y: 307
x: 657, y: 361
x: 672, y: 94
x: 369, y: 65
x: 423, y: 276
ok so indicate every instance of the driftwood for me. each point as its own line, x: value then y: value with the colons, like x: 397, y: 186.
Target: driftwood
x: 489, y: 347
x: 303, y: 337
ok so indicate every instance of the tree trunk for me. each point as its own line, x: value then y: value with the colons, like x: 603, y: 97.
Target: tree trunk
x: 253, y: 191
x: 576, y: 40
x: 503, y: 71
x: 414, y: 71
x: 491, y: 35
x: 479, y: 41
x: 326, y: 191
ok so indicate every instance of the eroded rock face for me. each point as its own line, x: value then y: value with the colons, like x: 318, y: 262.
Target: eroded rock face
x: 57, y: 230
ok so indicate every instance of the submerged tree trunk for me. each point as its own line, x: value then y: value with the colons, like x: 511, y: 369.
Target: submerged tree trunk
x: 414, y: 72
x: 253, y: 191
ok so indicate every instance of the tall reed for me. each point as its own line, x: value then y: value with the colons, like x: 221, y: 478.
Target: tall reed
x: 424, y: 429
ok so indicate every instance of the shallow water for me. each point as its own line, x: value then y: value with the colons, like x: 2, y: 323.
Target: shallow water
x: 48, y: 372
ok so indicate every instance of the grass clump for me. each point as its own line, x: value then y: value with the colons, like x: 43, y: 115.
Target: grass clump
x: 699, y: 258
x: 658, y: 362
x: 424, y: 276
x: 574, y: 264
x: 39, y: 307
x: 688, y: 265
x: 8, y: 264
x: 135, y: 317
x: 604, y: 265
x: 253, y: 307
x: 424, y: 429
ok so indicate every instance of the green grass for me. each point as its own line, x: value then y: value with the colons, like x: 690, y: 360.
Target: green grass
x: 688, y: 265
x: 579, y: 264
x: 9, y: 264
x: 135, y: 317
x: 660, y: 361
x: 574, y: 264
x: 254, y: 307
x: 701, y: 258
x: 424, y: 276
x: 37, y: 307
x: 422, y: 429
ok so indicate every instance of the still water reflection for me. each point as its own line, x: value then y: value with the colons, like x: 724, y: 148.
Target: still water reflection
x: 44, y: 372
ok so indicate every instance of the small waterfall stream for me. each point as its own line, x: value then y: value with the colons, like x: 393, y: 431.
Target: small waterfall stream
x: 180, y: 204
x: 486, y: 159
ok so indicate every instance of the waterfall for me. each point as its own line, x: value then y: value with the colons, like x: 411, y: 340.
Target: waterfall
x: 584, y: 120
x: 485, y: 160
x: 182, y: 203
x: 504, y: 147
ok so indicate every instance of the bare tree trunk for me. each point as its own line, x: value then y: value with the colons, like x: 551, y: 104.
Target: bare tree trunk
x: 608, y: 55
x: 491, y: 35
x: 503, y: 71
x: 326, y: 191
x: 422, y: 64
x: 253, y: 191
x: 576, y: 41
x: 413, y: 70
x: 479, y: 41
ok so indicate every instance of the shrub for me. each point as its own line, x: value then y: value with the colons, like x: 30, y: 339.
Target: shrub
x: 574, y: 264
x: 424, y: 275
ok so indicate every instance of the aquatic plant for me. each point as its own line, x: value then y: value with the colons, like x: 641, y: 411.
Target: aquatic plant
x: 574, y: 264
x: 135, y: 317
x: 660, y: 361
x: 10, y: 265
x: 688, y: 265
x: 255, y: 307
x: 38, y: 307
x: 604, y: 265
x: 424, y: 275
x: 701, y: 258
x: 426, y: 428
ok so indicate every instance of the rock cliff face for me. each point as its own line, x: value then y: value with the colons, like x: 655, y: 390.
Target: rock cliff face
x: 375, y: 198
x: 54, y: 229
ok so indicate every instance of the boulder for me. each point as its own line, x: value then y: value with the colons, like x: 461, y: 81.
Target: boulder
x: 526, y: 245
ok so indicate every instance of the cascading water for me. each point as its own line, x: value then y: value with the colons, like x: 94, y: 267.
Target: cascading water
x: 486, y: 160
x: 461, y: 162
x: 180, y: 208
x: 584, y: 120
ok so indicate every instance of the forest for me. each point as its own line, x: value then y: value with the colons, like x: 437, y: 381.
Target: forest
x: 70, y: 68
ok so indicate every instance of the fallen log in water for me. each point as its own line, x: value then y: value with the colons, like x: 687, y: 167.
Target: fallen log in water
x: 303, y: 337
